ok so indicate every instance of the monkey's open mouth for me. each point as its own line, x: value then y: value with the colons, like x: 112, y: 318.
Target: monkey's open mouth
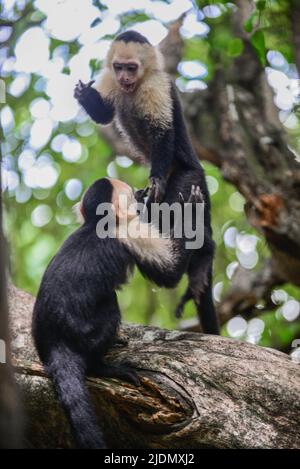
x: 128, y: 87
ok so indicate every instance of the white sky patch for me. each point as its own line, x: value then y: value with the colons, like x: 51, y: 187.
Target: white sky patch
x: 230, y: 237
x: 71, y: 150
x: 248, y: 260
x: 108, y: 26
x: 284, y: 99
x: 217, y: 291
x: 41, y: 215
x: 53, y: 67
x: 246, y: 243
x: 60, y: 90
x: 192, y: 69
x: 73, y: 188
x: 291, y: 122
x: 8, y: 66
x: 124, y: 161
x: 7, y: 118
x: 255, y: 330
x: 212, y: 184
x: 192, y: 26
x: 153, y: 30
x: 67, y: 19
x: 32, y: 51
x: 23, y: 194
x: 41, y: 175
x: 19, y: 85
x: 237, y: 202
x: 58, y: 142
x: 276, y: 59
x: 194, y: 85
x: 111, y: 170
x: 39, y: 108
x: 12, y: 180
x: 5, y: 33
x: 231, y: 268
x: 168, y: 12
x: 291, y: 310
x: 279, y: 296
x: 212, y: 11
x: 236, y: 327
x: 40, y: 133
x: 26, y: 159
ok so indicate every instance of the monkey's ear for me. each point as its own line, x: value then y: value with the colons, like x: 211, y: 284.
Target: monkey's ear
x: 77, y: 209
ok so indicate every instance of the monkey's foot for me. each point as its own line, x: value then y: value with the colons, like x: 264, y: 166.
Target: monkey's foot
x: 196, y: 196
x: 121, y: 340
x: 123, y: 371
x: 179, y: 311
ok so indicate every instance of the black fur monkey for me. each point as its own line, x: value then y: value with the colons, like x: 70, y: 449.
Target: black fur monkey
x: 134, y: 91
x: 76, y: 314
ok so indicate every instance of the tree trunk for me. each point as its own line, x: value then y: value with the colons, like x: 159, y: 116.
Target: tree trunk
x: 9, y: 424
x: 196, y: 391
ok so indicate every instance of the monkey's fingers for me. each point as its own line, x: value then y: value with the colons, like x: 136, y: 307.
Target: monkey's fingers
x: 181, y: 198
x: 198, y: 194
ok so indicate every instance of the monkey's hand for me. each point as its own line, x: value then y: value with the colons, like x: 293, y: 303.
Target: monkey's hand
x: 140, y: 195
x: 157, y: 189
x: 84, y: 93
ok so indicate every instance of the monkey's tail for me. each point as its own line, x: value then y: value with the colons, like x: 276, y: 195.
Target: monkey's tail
x: 67, y: 371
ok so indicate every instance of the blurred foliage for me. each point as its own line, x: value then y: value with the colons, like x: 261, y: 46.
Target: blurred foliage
x: 33, y: 245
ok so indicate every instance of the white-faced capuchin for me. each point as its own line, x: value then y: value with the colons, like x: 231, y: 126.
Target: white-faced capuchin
x: 76, y: 315
x: 136, y: 93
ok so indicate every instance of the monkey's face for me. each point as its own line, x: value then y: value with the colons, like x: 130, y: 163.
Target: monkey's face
x: 127, y: 73
x: 107, y: 190
x: 123, y: 200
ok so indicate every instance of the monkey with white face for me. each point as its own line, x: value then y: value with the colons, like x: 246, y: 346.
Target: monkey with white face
x: 136, y: 93
x: 76, y: 314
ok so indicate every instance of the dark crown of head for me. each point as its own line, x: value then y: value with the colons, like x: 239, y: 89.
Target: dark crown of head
x: 132, y: 36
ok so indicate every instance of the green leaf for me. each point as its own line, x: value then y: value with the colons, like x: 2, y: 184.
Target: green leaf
x: 249, y: 23
x: 235, y: 47
x: 258, y: 42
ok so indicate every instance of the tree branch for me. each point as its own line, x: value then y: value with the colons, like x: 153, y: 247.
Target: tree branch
x: 197, y: 391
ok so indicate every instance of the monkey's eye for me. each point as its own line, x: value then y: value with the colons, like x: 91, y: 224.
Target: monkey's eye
x: 132, y: 68
x: 117, y: 67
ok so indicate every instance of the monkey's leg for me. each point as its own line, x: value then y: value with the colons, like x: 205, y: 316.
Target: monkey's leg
x: 200, y: 284
x: 183, y: 300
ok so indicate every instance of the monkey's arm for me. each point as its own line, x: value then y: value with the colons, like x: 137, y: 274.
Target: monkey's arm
x: 168, y: 259
x: 99, y: 109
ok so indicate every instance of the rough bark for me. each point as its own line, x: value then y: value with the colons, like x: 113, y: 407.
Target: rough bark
x: 9, y: 413
x: 196, y: 391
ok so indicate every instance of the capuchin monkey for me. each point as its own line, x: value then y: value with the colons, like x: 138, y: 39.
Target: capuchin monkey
x: 76, y: 314
x: 136, y: 93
